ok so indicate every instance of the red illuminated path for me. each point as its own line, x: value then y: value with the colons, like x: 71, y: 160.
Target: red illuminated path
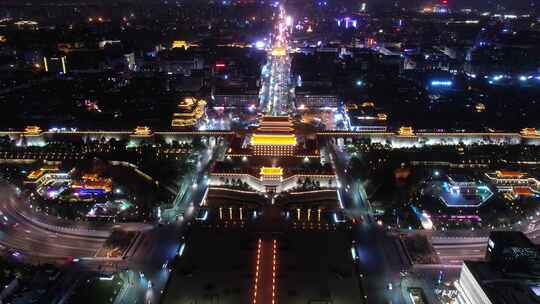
x: 264, y: 286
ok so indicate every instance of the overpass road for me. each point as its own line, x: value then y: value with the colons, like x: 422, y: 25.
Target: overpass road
x: 25, y: 234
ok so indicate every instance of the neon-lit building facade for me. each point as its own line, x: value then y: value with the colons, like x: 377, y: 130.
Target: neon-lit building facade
x: 518, y: 184
x: 50, y: 182
x: 92, y: 184
x: 504, y: 178
x: 462, y: 191
x: 190, y: 113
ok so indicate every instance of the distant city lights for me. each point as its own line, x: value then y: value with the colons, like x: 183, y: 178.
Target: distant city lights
x: 260, y: 44
x: 288, y: 21
x: 181, y: 249
x: 347, y: 22
x: 441, y: 83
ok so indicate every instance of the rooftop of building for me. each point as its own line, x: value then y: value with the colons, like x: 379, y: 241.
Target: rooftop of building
x: 188, y: 104
x: 273, y: 139
x: 274, y: 130
x: 510, y: 239
x: 523, y: 191
x: 44, y: 169
x: 459, y: 178
x: 268, y: 119
x: 509, y: 174
x: 505, y: 288
x: 189, y: 111
x: 304, y: 146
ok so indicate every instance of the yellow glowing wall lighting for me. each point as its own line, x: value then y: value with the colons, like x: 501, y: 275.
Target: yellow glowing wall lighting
x: 530, y: 132
x: 189, y: 118
x: 32, y: 130
x: 187, y: 102
x: 180, y: 44
x: 406, y: 131
x: 278, y: 51
x: 90, y: 176
x: 35, y: 174
x: 64, y: 67
x: 368, y: 104
x: 265, y: 171
x: 264, y: 139
x: 509, y: 174
x: 142, y: 131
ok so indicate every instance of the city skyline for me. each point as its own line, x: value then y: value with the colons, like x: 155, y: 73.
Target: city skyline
x: 270, y: 152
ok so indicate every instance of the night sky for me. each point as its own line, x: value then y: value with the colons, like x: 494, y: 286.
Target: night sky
x: 512, y: 4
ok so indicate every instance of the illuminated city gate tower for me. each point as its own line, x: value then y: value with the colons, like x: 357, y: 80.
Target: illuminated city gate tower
x: 274, y: 158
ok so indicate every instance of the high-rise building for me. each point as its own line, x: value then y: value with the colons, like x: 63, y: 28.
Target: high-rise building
x: 510, y: 274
